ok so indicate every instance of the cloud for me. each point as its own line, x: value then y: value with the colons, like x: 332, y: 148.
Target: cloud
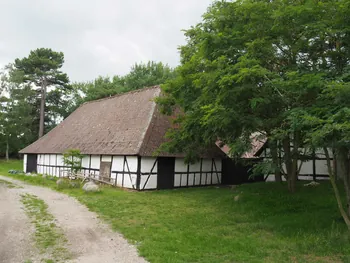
x: 102, y: 37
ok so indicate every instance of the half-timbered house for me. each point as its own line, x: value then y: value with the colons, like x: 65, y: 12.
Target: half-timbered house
x: 118, y: 136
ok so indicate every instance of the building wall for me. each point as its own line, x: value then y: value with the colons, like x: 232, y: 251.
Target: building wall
x: 124, y: 170
x: 314, y: 168
x: 203, y: 173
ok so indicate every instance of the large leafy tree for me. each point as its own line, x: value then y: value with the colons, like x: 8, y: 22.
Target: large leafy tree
x: 250, y: 66
x: 42, y: 68
x: 16, y: 119
x: 328, y: 127
x: 141, y: 75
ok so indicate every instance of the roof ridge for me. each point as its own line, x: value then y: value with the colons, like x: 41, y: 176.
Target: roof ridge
x: 153, y: 109
x: 121, y: 94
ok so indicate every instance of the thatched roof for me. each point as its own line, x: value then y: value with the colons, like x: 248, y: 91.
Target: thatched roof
x: 258, y: 141
x: 125, y: 124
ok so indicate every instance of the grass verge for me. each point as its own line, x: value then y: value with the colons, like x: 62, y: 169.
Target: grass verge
x: 48, y: 237
x: 266, y: 224
x: 9, y: 184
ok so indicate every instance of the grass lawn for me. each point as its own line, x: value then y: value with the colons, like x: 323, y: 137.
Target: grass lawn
x: 266, y: 224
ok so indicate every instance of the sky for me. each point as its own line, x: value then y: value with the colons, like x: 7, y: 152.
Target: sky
x: 101, y: 37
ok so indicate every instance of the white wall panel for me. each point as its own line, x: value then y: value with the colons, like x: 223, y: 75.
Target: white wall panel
x: 206, y: 165
x: 119, y: 180
x: 177, y: 180
x: 106, y: 158
x: 47, y: 159
x: 56, y: 172
x: 117, y: 164
x: 203, y: 180
x: 190, y: 179
x: 306, y: 167
x: 184, y: 180
x: 39, y: 160
x: 152, y: 181
x: 209, y: 178
x: 147, y: 164
x: 52, y: 159
x: 60, y: 160
x: 85, y: 161
x: 132, y: 162
x: 196, y: 167
x: 216, y: 178
x: 197, y: 179
x: 218, y: 164
x: 129, y: 183
x: 180, y: 165
x: 95, y: 161
x: 25, y: 163
x: 321, y: 167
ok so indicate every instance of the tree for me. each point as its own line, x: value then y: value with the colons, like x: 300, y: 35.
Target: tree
x: 72, y: 158
x: 147, y: 74
x: 141, y: 75
x: 42, y: 68
x: 328, y: 126
x: 15, y: 115
x: 250, y: 66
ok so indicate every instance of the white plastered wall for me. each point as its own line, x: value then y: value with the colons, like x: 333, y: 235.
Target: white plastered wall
x: 209, y: 174
x: 306, y: 171
x: 25, y: 163
x: 130, y: 166
x: 128, y: 178
x: 148, y: 179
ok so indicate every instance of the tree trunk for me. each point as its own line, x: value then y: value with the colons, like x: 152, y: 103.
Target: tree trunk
x: 343, y: 213
x: 42, y: 108
x: 344, y: 172
x: 275, y: 161
x: 289, y: 164
x: 295, y: 158
x: 7, y: 150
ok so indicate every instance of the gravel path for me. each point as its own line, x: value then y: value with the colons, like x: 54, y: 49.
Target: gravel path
x: 89, y: 240
x: 15, y: 228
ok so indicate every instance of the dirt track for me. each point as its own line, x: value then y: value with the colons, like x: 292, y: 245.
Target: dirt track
x: 89, y: 240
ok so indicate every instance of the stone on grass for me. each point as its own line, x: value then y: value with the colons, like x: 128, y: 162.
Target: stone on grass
x: 313, y: 183
x: 237, y: 197
x: 91, y: 187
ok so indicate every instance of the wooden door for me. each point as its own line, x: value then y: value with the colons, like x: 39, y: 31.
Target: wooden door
x: 105, y: 171
x: 31, y: 163
x: 166, y: 172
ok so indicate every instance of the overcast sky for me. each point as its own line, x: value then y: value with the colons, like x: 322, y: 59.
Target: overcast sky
x: 101, y: 37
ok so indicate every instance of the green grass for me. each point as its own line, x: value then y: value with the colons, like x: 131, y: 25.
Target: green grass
x: 10, y: 165
x: 48, y: 237
x: 8, y: 184
x: 266, y: 224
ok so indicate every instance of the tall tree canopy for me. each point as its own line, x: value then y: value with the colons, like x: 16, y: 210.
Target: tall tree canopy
x: 254, y: 66
x: 16, y: 115
x: 141, y: 75
x: 42, y: 69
